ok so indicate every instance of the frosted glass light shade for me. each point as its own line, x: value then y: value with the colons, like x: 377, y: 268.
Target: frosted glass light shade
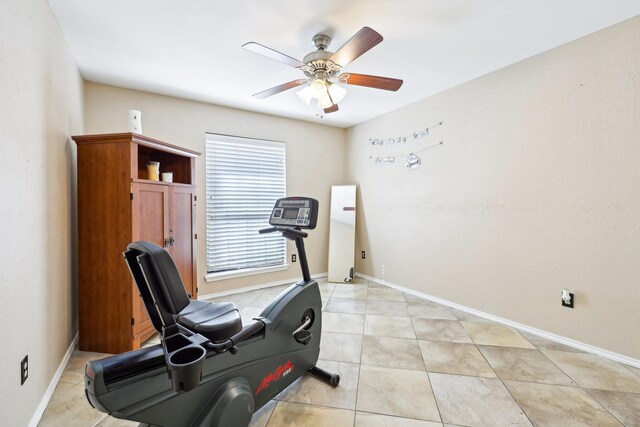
x: 323, y: 92
x: 318, y: 88
x: 325, y: 101
x: 305, y: 94
x: 337, y: 93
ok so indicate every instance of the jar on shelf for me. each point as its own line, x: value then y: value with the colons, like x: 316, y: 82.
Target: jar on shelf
x: 153, y: 171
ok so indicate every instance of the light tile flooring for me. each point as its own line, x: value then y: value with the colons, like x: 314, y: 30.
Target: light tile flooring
x: 405, y: 361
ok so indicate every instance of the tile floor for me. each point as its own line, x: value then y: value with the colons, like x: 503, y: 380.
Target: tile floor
x: 405, y: 361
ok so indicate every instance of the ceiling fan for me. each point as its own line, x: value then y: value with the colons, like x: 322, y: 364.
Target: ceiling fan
x: 323, y: 70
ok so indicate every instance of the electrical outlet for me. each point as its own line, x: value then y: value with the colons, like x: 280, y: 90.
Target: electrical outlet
x: 293, y: 257
x: 364, y: 255
x: 24, y: 369
x: 567, y: 298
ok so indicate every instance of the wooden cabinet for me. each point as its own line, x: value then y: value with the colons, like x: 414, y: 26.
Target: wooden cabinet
x: 117, y: 205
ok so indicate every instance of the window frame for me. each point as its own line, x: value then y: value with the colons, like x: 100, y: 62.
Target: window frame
x: 212, y: 138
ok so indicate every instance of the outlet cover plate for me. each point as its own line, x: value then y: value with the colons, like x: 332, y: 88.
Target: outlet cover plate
x: 570, y: 304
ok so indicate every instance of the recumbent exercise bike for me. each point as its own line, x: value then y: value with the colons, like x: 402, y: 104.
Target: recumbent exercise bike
x: 219, y: 372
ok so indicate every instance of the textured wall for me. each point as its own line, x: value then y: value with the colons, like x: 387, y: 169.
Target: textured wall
x: 40, y: 107
x: 534, y: 190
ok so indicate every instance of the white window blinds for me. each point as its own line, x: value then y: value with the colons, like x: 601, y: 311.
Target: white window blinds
x: 244, y: 179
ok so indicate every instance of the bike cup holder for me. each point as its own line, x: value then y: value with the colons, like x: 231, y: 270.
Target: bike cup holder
x: 185, y: 360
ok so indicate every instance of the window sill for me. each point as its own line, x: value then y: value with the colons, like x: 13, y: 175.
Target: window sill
x: 214, y: 277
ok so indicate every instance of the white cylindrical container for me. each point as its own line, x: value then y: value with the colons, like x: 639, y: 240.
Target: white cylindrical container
x: 167, y: 176
x: 135, y: 121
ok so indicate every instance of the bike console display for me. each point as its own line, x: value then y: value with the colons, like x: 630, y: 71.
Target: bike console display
x: 299, y: 212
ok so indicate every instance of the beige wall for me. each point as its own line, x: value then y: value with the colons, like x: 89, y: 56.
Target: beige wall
x: 40, y: 107
x: 315, y: 157
x: 535, y: 189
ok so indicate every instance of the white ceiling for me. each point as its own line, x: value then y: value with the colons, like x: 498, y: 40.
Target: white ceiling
x: 191, y: 49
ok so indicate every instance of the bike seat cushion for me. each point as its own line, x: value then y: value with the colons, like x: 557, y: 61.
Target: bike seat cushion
x: 216, y: 321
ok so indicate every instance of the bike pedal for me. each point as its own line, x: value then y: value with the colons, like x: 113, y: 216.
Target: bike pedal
x: 303, y: 337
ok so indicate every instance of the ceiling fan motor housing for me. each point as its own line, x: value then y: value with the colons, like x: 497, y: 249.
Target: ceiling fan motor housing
x: 318, y: 62
x: 321, y: 41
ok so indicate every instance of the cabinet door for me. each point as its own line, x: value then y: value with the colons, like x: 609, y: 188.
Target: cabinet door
x: 151, y: 213
x: 150, y: 223
x: 182, y: 208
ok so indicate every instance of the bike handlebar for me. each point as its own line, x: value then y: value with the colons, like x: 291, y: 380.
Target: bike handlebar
x: 288, y: 230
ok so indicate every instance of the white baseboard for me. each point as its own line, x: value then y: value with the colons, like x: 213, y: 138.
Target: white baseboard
x: 256, y: 287
x: 538, y: 332
x: 35, y: 419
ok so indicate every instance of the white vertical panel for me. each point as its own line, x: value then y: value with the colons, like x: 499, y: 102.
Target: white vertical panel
x: 342, y: 233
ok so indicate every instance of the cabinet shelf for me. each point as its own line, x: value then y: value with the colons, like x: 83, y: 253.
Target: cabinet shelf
x: 169, y: 184
x: 179, y: 164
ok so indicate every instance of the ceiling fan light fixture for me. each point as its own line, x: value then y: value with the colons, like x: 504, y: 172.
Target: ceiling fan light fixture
x: 325, y: 93
x: 336, y: 92
x: 318, y: 88
x: 325, y: 101
x: 305, y: 95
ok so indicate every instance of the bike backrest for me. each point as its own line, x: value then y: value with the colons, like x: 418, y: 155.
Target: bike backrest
x: 158, y: 280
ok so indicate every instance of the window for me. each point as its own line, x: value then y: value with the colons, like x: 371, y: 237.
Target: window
x: 244, y: 179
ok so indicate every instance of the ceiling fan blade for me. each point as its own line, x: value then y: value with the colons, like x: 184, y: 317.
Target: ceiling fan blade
x: 279, y: 88
x: 375, y: 82
x: 361, y: 42
x: 331, y: 109
x: 272, y: 54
